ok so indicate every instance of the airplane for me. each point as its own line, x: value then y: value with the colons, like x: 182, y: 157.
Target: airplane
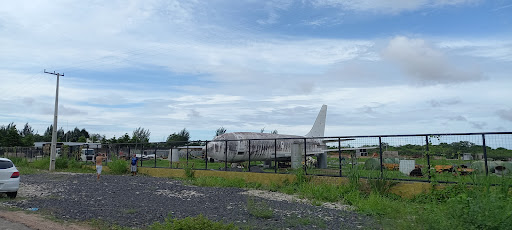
x: 269, y: 146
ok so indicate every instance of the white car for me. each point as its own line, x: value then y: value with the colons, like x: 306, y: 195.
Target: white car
x: 9, y: 178
x: 145, y: 156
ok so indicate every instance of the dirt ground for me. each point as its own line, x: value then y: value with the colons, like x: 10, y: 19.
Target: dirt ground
x: 35, y: 221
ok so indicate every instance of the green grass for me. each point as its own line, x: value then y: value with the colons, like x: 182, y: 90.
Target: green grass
x: 118, y: 166
x: 459, y: 206
x: 259, y: 209
x: 197, y: 222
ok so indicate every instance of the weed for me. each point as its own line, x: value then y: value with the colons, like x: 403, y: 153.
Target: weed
x: 25, y: 170
x: 198, y: 222
x: 259, y: 209
x: 301, y: 177
x: 189, y: 172
x: 118, y: 166
x: 223, y: 182
x: 61, y: 163
x: 130, y: 211
x: 43, y: 163
x: 73, y: 164
x: 19, y: 161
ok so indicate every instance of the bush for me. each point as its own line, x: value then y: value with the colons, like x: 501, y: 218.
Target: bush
x: 61, y: 163
x: 189, y: 172
x: 118, y: 166
x: 19, y: 161
x: 259, y: 209
x: 73, y: 164
x: 43, y: 163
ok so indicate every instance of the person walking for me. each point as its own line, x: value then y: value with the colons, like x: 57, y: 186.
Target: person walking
x: 99, y: 167
x: 133, y: 167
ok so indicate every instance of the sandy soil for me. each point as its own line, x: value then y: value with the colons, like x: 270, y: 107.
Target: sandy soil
x: 37, y: 222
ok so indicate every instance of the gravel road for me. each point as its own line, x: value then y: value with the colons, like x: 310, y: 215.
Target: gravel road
x: 138, y: 201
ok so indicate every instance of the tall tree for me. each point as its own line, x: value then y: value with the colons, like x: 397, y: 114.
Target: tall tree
x: 180, y: 138
x: 47, y: 136
x: 124, y: 139
x: 27, y: 135
x: 141, y: 135
x: 12, y: 137
x: 27, y: 130
x: 60, y: 134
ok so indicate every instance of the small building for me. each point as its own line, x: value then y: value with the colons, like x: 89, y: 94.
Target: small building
x: 390, y: 154
x: 361, y: 152
x: 467, y: 157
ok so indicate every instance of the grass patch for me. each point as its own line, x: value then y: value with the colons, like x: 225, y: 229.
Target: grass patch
x: 26, y: 170
x: 43, y: 163
x: 189, y: 172
x: 198, y: 222
x: 259, y: 209
x: 130, y: 211
x: 223, y: 182
x: 459, y: 206
x: 19, y: 161
x: 118, y: 166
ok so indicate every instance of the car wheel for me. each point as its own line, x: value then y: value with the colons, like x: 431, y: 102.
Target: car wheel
x: 12, y: 195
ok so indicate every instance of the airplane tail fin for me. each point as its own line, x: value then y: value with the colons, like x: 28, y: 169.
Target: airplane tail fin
x: 319, y: 126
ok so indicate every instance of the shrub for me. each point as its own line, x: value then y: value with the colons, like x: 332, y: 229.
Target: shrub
x: 259, y: 209
x: 189, y: 172
x: 118, y: 166
x: 61, y: 163
x: 43, y: 163
x: 19, y: 161
x: 73, y: 164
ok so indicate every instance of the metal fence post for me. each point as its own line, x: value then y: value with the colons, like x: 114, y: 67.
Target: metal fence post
x: 141, y: 154
x: 275, y: 155
x: 206, y: 155
x: 170, y: 160
x: 428, y: 158
x: 380, y: 158
x: 187, y: 155
x: 226, y: 157
x: 249, y: 156
x: 305, y: 158
x: 155, y: 153
x: 485, y: 155
x: 339, y: 155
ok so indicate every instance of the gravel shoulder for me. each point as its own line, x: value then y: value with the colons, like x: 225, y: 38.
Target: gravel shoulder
x: 138, y: 201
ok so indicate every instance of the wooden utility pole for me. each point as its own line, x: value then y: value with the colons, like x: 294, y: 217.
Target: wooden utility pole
x: 53, y: 152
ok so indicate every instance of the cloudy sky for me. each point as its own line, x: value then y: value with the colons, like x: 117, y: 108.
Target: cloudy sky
x: 381, y: 66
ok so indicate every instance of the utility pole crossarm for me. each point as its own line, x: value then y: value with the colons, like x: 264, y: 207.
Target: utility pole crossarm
x: 59, y: 74
x: 53, y: 152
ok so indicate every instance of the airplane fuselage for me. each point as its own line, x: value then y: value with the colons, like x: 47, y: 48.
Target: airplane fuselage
x: 263, y: 146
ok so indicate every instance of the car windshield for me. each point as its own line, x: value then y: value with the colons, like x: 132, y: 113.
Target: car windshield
x: 6, y: 164
x: 89, y: 152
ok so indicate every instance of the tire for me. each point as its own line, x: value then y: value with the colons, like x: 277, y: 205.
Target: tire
x: 12, y: 195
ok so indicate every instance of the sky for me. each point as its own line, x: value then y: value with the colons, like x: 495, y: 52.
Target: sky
x: 381, y: 66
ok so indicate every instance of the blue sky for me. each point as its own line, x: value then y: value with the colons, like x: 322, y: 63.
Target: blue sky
x: 382, y: 67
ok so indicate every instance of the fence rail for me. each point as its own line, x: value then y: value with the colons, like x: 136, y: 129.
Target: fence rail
x: 445, y: 158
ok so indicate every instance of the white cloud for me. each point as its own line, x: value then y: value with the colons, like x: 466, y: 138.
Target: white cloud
x: 390, y: 6
x: 499, y: 50
x: 425, y: 64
